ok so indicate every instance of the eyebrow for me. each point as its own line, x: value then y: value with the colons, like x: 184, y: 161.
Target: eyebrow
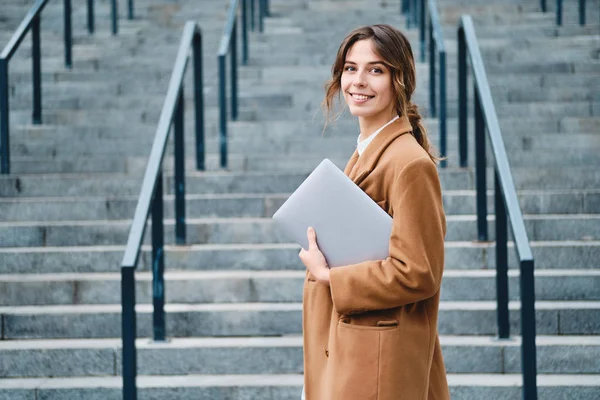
x: 369, y: 63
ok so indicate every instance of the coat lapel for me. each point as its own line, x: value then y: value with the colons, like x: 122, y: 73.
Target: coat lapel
x: 359, y: 168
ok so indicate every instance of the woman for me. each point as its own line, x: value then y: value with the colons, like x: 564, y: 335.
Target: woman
x: 370, y: 329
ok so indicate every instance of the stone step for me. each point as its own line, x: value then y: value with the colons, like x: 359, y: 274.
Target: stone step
x: 268, y: 355
x: 190, y: 287
x: 541, y: 227
x: 76, y: 99
x: 517, y: 88
x: 267, y: 319
x: 273, y: 256
x: 541, y: 30
x: 280, y: 157
x: 253, y: 112
x: 57, y: 185
x: 533, y: 130
x: 282, y: 387
x: 264, y: 205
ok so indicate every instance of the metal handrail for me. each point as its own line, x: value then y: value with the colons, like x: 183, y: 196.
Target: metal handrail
x: 436, y: 42
x: 505, y: 199
x: 151, y: 197
x: 229, y: 46
x: 559, y: 11
x: 31, y: 22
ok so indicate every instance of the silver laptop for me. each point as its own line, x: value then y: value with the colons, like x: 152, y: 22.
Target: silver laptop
x: 351, y: 227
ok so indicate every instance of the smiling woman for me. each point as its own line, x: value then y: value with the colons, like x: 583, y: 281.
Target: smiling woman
x: 370, y: 329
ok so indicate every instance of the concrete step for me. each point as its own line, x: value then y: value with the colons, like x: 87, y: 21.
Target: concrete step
x: 58, y: 185
x: 230, y: 230
x: 266, y: 319
x: 275, y: 256
x: 264, y: 205
x: 541, y: 30
x: 269, y: 355
x: 533, y: 130
x: 282, y: 387
x: 256, y: 157
x: 190, y: 287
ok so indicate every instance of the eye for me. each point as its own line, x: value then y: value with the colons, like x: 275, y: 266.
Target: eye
x: 349, y: 68
x: 377, y: 70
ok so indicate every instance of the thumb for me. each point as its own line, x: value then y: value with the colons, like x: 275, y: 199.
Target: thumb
x: 312, y: 239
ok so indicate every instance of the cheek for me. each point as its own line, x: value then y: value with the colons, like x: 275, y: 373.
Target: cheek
x: 383, y: 88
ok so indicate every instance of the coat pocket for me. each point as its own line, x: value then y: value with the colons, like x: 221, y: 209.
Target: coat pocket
x: 354, y: 359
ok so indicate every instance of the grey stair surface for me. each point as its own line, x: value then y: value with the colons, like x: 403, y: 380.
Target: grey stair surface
x: 234, y: 291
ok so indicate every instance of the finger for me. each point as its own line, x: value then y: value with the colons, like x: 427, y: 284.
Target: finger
x: 312, y: 239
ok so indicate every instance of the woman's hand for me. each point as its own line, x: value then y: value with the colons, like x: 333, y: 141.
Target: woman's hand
x: 313, y: 259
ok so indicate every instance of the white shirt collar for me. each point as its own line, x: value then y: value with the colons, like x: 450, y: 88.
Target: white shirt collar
x: 361, y: 146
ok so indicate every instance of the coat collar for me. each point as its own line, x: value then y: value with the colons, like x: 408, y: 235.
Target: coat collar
x: 358, y: 168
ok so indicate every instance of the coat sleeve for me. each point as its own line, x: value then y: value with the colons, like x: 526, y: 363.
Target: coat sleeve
x: 413, y: 270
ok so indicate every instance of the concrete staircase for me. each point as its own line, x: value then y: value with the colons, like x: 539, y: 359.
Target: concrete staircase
x: 234, y: 292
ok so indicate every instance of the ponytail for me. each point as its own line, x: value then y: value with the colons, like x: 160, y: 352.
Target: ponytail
x: 418, y: 130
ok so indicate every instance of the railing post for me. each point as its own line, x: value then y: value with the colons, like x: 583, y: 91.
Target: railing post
x: 408, y: 14
x: 543, y: 5
x: 128, y: 328
x: 528, y: 350
x: 480, y: 168
x: 90, y: 16
x: 404, y: 6
x: 233, y: 71
x: 252, y: 15
x: 261, y: 16
x: 223, y: 111
x: 37, y: 71
x: 462, y: 98
x: 244, y: 33
x: 68, y: 35
x: 158, y: 262
x: 130, y: 10
x: 501, y: 260
x: 199, y: 101
x: 559, y: 12
x: 422, y: 29
x: 415, y: 13
x: 443, y: 101
x: 114, y: 13
x: 4, y: 139
x: 432, y: 61
x: 582, y: 12
x: 179, y: 145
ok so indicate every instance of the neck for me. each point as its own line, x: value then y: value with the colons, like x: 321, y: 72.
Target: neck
x: 368, y: 126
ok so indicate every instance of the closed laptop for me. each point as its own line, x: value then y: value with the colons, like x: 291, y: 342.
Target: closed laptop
x: 351, y: 228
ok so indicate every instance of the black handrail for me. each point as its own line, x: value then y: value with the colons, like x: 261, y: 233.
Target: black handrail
x: 559, y: 11
x: 151, y: 196
x: 436, y: 42
x: 31, y: 22
x: 505, y: 200
x: 229, y: 46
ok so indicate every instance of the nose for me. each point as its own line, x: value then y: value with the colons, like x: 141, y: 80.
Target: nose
x: 359, y: 79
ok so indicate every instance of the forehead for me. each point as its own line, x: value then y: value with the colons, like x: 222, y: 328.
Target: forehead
x: 363, y: 51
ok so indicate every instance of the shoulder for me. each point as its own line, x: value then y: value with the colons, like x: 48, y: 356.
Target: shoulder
x: 405, y: 154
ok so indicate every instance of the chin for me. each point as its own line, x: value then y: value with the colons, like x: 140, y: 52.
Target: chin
x: 357, y: 112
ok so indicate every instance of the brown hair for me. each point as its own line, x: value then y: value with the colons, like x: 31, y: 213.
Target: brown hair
x: 393, y: 47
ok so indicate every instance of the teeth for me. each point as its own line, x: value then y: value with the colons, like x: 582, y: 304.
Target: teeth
x: 360, y: 97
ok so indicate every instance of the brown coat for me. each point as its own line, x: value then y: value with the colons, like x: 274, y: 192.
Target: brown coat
x: 372, y: 334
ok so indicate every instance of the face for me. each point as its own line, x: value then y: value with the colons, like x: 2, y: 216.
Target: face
x: 367, y: 84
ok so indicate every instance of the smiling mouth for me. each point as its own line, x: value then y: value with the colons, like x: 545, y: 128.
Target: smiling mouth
x: 360, y: 96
